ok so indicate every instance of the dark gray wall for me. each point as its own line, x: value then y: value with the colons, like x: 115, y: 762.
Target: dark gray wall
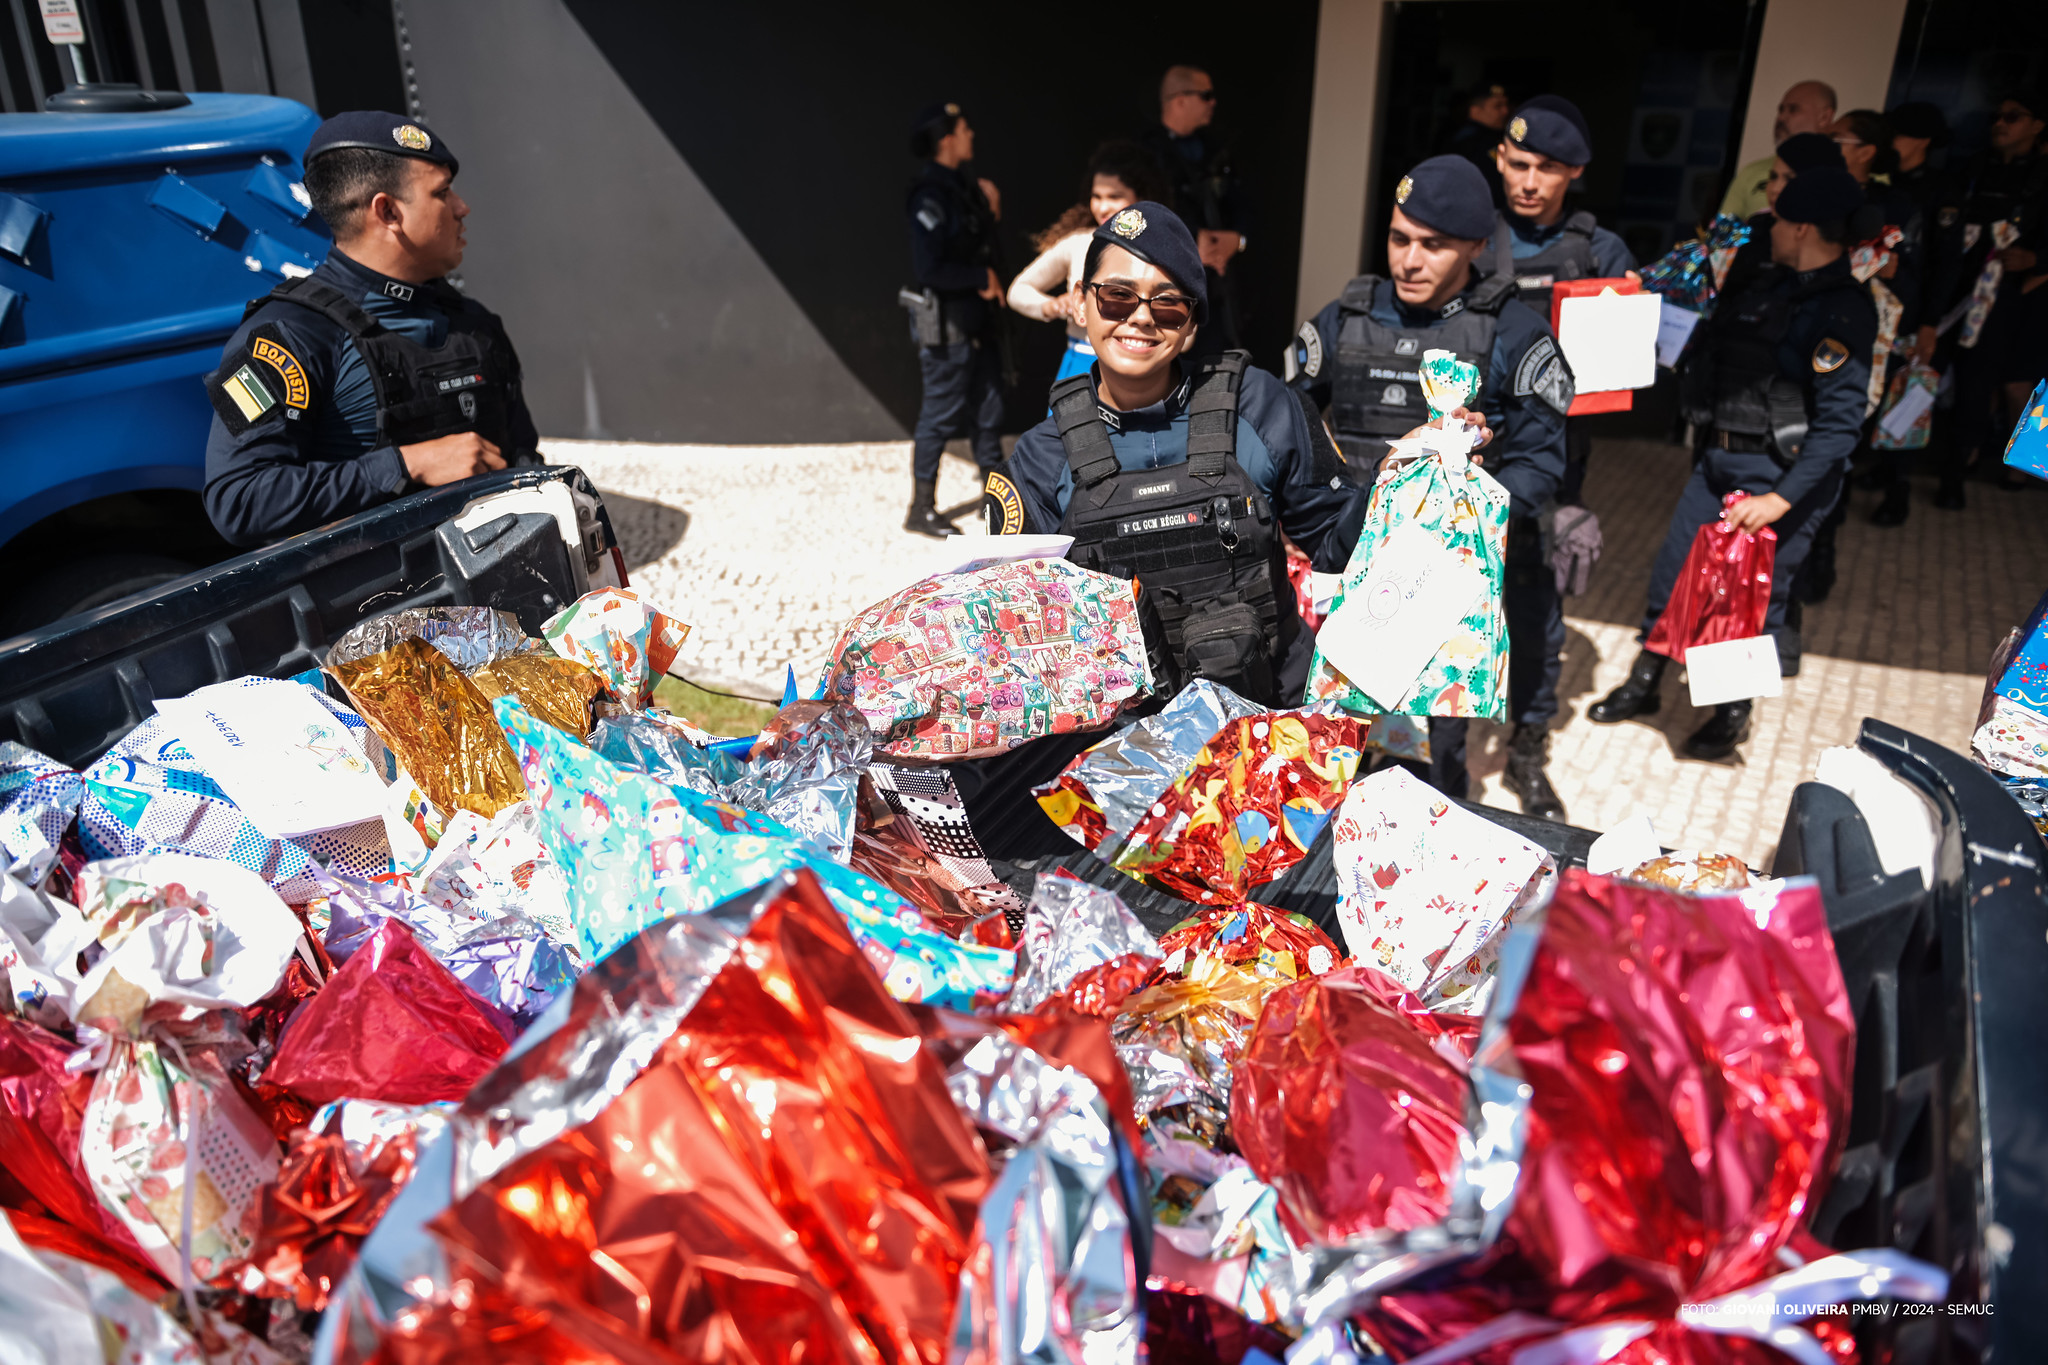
x: 639, y: 309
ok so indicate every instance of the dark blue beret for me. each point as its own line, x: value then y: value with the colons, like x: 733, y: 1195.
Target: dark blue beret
x: 1918, y: 118
x: 1805, y: 152
x: 933, y: 115
x: 1552, y: 126
x: 381, y: 132
x: 1153, y: 232
x: 1449, y: 194
x: 1823, y: 194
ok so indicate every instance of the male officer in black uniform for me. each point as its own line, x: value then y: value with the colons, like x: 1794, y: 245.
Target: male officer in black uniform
x: 1360, y: 358
x: 1779, y: 377
x: 954, y: 310
x: 371, y: 377
x: 1545, y: 147
x: 1181, y: 473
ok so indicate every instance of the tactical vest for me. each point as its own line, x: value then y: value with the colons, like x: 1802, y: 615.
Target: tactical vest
x: 465, y: 384
x: 1570, y: 257
x: 1376, y: 387
x: 1199, y: 536
x: 1733, y: 383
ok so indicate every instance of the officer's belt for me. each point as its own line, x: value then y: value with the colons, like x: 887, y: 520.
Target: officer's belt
x: 1741, y: 442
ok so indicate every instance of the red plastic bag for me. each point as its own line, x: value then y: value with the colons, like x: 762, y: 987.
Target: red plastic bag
x: 392, y: 1024
x: 1723, y: 592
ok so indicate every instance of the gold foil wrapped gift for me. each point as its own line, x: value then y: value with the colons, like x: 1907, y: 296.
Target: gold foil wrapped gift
x: 438, y: 723
x: 558, y: 691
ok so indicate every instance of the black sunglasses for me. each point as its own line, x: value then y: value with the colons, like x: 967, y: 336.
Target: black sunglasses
x: 1116, y: 302
x: 1205, y: 96
x: 2013, y: 116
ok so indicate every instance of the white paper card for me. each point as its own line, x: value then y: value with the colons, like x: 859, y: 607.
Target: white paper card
x: 1674, y: 329
x: 1611, y: 339
x: 1629, y: 844
x: 1391, y: 625
x: 1734, y: 670
x: 964, y: 554
x: 1898, y: 423
x: 280, y: 756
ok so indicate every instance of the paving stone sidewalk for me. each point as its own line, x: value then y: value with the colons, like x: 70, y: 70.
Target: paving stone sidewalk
x: 767, y: 551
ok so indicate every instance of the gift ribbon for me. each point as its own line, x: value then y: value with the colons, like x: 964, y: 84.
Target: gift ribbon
x: 1768, y: 1312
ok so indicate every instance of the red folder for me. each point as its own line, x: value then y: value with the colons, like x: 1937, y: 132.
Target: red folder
x: 1614, y: 400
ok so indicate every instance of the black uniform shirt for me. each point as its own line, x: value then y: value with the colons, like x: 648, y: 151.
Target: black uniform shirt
x: 952, y: 240
x: 282, y: 476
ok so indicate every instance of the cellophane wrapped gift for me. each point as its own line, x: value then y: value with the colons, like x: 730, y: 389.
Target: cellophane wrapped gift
x: 1425, y: 888
x: 2019, y: 668
x: 1350, y: 1101
x: 391, y: 1024
x: 470, y: 637
x: 148, y: 794
x: 626, y: 641
x: 38, y: 801
x: 436, y: 722
x: 1455, y: 503
x: 1109, y: 787
x: 1259, y: 793
x: 783, y: 1175
x: 1078, y: 934
x: 1691, y: 274
x: 974, y: 664
x: 1687, y: 1062
x: 636, y: 851
x: 1723, y: 591
x: 558, y: 691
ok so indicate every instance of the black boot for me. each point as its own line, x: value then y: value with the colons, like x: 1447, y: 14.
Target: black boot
x: 924, y: 515
x: 1949, y: 497
x: 1790, y: 643
x: 1726, y: 728
x: 1525, y: 776
x: 1637, y: 696
x: 1896, y: 507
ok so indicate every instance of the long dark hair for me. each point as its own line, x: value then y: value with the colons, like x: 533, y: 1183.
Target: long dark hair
x: 1124, y: 160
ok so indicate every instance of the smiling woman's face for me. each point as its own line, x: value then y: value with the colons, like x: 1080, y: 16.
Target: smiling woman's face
x: 1137, y: 347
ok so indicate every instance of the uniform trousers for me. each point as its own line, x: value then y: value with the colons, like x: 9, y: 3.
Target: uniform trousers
x: 963, y: 396
x: 1717, y: 474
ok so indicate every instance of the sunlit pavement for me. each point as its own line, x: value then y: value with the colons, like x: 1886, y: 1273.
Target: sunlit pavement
x: 767, y: 551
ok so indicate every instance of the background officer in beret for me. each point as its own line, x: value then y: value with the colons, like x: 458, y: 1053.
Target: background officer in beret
x: 1360, y: 358
x: 370, y: 377
x: 1542, y: 152
x: 1778, y: 377
x: 1180, y: 472
x: 954, y: 308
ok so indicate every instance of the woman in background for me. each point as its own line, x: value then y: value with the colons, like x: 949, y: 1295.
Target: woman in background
x: 1119, y: 175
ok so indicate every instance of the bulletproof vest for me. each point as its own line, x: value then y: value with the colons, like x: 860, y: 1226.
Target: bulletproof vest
x: 1570, y: 257
x: 1376, y: 387
x: 1199, y: 537
x: 1733, y: 383
x: 465, y: 384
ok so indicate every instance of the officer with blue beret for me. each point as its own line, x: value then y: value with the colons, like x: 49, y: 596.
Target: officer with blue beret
x: 1542, y: 152
x: 371, y: 376
x: 1182, y: 473
x: 1778, y: 379
x: 955, y: 307
x: 1359, y: 358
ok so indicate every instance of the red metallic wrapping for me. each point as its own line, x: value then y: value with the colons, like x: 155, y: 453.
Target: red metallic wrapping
x: 391, y: 1024
x: 1350, y: 1102
x: 1102, y: 989
x: 787, y: 1181
x: 1260, y: 791
x: 42, y: 1112
x: 1186, y: 1328
x: 1689, y: 1061
x: 1722, y: 593
x: 1276, y: 943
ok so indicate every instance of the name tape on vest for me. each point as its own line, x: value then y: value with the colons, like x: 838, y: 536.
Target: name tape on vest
x: 1171, y: 521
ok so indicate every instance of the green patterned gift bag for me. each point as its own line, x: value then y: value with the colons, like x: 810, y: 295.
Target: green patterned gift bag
x: 1417, y: 627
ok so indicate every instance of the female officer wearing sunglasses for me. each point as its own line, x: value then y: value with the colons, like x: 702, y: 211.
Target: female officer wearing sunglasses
x: 1197, y: 519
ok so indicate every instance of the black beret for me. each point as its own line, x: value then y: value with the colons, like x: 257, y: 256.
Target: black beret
x: 933, y: 115
x: 1552, y: 126
x: 1449, y: 194
x: 1825, y: 194
x: 1918, y: 118
x: 1805, y: 152
x: 2030, y: 100
x: 381, y: 132
x: 1153, y: 232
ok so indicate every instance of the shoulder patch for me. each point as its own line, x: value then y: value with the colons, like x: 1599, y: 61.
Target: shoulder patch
x: 1305, y: 353
x: 273, y: 352
x: 1002, y: 505
x: 1829, y: 356
x: 929, y: 214
x: 1544, y: 374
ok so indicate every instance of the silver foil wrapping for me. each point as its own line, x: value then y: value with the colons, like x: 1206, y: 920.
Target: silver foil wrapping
x: 1069, y: 927
x: 469, y: 636
x: 1127, y: 772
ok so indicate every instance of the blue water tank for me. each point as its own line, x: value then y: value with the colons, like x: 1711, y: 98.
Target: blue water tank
x: 129, y: 244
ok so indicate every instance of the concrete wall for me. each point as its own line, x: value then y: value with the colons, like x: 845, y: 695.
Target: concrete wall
x: 1850, y: 44
x: 1336, y: 205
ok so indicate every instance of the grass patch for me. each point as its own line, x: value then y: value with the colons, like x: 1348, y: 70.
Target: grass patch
x: 720, y: 715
